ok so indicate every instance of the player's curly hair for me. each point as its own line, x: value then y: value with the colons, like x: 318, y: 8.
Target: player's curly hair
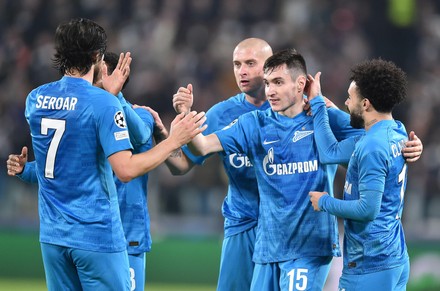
x: 290, y: 57
x: 79, y: 44
x: 381, y: 82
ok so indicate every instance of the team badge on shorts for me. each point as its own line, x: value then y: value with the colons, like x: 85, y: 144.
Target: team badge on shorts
x: 120, y: 120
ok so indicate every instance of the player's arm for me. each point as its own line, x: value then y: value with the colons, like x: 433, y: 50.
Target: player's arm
x: 202, y: 145
x: 330, y: 150
x: 183, y: 128
x: 139, y: 133
x: 372, y: 175
x: 341, y: 128
x: 178, y: 163
x: 366, y: 208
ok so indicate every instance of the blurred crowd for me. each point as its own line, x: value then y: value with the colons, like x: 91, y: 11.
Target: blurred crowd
x: 176, y: 42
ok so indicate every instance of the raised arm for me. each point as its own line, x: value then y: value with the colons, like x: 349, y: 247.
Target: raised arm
x: 183, y: 128
x: 330, y: 150
x: 202, y: 145
x: 177, y: 162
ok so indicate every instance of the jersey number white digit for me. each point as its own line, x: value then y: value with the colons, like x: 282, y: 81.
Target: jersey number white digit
x: 132, y: 279
x: 300, y: 280
x: 402, y: 177
x: 59, y: 126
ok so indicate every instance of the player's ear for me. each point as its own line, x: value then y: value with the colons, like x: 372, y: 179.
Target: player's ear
x: 301, y: 83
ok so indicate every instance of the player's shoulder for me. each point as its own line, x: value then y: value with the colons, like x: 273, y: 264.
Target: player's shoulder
x: 145, y: 115
x: 224, y: 105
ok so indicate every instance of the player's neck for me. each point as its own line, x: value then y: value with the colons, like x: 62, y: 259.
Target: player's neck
x: 257, y: 99
x: 375, y: 117
x: 88, y: 76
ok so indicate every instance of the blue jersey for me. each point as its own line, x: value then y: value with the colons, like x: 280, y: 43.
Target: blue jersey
x: 284, y: 156
x: 240, y: 206
x: 75, y: 127
x: 133, y: 195
x: 376, y: 178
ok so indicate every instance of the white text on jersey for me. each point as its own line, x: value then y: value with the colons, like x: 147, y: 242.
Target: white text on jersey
x: 56, y: 103
x: 289, y: 168
x: 239, y: 160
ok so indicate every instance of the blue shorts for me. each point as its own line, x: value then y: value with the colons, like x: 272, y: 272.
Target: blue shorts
x: 392, y: 279
x: 236, y: 266
x: 137, y: 271
x: 75, y: 269
x: 308, y: 274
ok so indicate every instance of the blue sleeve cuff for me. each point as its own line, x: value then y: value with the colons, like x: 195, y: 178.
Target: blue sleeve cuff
x: 317, y: 101
x: 29, y: 174
x: 322, y: 201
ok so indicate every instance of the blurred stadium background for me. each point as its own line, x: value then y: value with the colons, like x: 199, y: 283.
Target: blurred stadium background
x: 175, y: 42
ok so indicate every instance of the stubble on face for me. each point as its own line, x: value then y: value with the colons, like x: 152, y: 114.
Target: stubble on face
x: 356, y: 119
x: 248, y: 60
x: 282, y: 91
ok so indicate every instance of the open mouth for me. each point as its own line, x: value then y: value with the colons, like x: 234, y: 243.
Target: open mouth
x: 244, y: 82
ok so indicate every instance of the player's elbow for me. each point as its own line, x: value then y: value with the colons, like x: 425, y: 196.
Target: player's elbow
x: 198, y: 150
x: 176, y: 171
x: 368, y: 215
x: 124, y: 173
x: 124, y: 176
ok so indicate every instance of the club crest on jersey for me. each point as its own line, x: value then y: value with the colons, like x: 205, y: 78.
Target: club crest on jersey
x: 120, y: 120
x: 301, y: 134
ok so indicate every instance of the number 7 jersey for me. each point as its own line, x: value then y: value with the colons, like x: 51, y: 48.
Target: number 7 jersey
x: 75, y: 127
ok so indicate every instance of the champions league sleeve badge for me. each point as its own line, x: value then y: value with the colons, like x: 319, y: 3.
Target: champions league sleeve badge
x: 120, y: 120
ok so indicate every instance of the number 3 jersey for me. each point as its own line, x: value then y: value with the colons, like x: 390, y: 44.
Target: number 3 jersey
x: 75, y: 127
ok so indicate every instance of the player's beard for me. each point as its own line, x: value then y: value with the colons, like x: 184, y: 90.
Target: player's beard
x: 356, y: 119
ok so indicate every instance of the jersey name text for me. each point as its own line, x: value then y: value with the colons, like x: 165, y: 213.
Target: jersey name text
x: 56, y: 103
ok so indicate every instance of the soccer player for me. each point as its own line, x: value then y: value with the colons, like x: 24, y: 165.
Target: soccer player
x: 375, y: 253
x: 79, y: 136
x: 132, y: 196
x: 240, y: 207
x: 294, y: 245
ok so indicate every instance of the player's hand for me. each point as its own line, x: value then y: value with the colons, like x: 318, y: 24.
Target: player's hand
x: 413, y: 148
x: 313, y: 87
x: 329, y: 103
x: 183, y: 99
x: 15, y: 163
x: 314, y: 199
x: 308, y: 108
x: 113, y: 83
x: 160, y: 132
x: 185, y: 127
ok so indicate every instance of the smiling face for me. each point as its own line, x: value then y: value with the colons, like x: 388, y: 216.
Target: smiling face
x: 284, y: 93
